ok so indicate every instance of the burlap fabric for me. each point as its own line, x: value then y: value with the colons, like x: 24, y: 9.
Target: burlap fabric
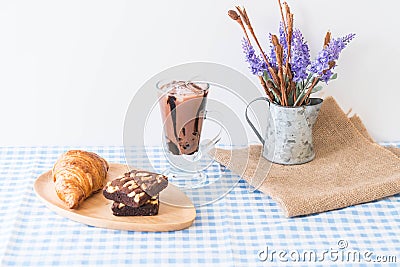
x: 349, y: 168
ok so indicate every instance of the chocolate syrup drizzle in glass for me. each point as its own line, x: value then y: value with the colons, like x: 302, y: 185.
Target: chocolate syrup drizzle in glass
x: 171, y: 101
x: 171, y: 146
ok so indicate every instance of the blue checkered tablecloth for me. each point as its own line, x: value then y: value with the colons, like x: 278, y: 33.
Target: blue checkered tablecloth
x: 241, y: 229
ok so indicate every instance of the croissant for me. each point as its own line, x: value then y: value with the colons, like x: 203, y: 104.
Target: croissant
x: 77, y: 175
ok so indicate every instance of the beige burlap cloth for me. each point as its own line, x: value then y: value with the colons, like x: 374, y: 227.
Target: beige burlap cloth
x: 349, y: 167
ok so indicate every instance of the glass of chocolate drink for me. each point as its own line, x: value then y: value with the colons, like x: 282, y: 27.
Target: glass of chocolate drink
x: 183, y: 112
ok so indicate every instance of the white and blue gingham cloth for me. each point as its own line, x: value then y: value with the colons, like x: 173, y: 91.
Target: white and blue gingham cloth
x: 240, y: 229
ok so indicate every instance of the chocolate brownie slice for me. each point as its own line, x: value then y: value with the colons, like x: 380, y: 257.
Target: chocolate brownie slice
x: 125, y: 190
x: 152, y: 183
x: 150, y: 208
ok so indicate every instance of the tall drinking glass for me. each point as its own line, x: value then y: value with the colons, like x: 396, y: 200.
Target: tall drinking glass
x: 183, y: 111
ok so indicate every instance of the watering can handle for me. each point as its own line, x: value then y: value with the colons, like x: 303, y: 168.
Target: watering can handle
x: 250, y: 123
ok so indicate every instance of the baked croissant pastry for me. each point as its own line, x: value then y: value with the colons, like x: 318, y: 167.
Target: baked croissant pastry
x: 77, y: 175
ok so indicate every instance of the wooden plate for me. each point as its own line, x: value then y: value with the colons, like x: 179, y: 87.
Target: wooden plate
x: 96, y: 210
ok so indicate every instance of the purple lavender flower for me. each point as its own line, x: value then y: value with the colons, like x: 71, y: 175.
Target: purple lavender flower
x: 300, y: 53
x: 283, y: 42
x: 346, y: 40
x: 272, y: 54
x: 257, y: 65
x: 330, y: 53
x: 300, y: 56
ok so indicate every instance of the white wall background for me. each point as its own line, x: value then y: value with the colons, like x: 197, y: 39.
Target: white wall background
x: 68, y: 69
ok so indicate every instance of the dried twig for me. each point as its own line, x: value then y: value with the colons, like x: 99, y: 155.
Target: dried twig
x: 271, y: 86
x: 236, y: 17
x: 243, y: 14
x: 264, y: 85
x: 292, y: 90
x: 283, y: 17
x: 294, y: 96
x: 302, y: 100
x: 289, y: 31
x: 246, y: 19
x: 279, y: 61
x: 289, y: 40
x: 327, y: 39
x: 233, y: 15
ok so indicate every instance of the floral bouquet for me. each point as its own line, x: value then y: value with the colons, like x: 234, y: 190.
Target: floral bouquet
x: 287, y: 74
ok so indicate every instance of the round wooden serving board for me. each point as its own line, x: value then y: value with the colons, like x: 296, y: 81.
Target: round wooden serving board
x: 96, y: 210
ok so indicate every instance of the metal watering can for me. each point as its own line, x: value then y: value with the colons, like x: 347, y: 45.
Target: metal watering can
x: 288, y: 136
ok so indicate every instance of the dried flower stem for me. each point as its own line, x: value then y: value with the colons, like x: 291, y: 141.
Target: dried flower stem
x: 283, y: 91
x: 236, y: 17
x: 292, y: 88
x: 305, y: 97
x: 274, y: 78
x: 283, y: 17
x: 233, y: 15
x: 243, y: 14
x: 289, y: 36
x: 294, y: 97
x: 271, y: 86
x: 285, y: 30
x: 289, y: 39
x: 264, y: 85
x: 279, y: 61
x: 289, y: 31
x: 327, y: 39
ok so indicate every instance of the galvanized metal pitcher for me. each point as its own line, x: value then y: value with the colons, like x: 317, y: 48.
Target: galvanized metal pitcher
x: 288, y: 136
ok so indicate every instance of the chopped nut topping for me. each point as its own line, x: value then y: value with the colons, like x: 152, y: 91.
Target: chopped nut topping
x: 137, y: 197
x: 146, y: 177
x: 142, y: 174
x: 153, y: 201
x: 112, y: 189
x: 131, y: 185
x: 131, y: 194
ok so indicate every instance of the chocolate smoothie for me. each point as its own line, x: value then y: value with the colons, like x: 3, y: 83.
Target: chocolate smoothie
x: 182, y: 107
